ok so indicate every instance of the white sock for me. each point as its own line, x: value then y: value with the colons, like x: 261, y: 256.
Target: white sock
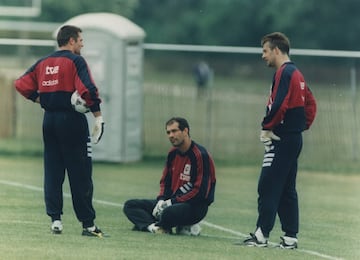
x: 290, y: 240
x: 151, y: 227
x: 91, y: 229
x: 260, y: 236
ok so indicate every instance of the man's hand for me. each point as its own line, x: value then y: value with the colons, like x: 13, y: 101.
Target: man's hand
x: 266, y: 136
x: 166, y: 203
x: 159, y: 207
x: 98, y: 129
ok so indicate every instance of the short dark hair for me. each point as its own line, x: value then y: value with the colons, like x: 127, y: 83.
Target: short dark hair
x: 183, y: 123
x: 277, y: 39
x: 65, y: 33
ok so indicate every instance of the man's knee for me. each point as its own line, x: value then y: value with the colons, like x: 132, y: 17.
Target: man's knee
x: 128, y: 205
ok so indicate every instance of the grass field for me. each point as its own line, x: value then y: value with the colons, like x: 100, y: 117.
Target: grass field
x: 329, y: 216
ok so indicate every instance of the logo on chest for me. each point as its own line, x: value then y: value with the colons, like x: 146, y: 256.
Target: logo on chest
x: 51, y: 70
x: 185, y: 175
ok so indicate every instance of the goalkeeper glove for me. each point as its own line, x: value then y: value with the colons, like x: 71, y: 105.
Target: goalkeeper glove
x: 266, y: 136
x: 166, y: 203
x: 98, y: 129
x: 159, y: 208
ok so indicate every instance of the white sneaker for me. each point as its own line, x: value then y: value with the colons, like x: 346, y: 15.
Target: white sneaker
x: 260, y: 236
x: 255, y: 239
x: 288, y: 242
x: 192, y: 230
x: 56, y: 227
x: 153, y: 228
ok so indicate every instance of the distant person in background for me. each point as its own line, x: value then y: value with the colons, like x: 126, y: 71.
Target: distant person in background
x: 291, y: 109
x: 187, y: 187
x: 51, y: 81
x: 202, y: 74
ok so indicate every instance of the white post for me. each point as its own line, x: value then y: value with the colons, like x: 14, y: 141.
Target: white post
x: 355, y: 119
x: 209, y: 115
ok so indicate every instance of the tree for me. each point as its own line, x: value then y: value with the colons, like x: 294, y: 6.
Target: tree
x: 60, y: 11
x: 308, y: 23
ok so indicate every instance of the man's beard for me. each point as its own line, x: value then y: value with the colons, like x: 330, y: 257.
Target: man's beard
x: 175, y: 144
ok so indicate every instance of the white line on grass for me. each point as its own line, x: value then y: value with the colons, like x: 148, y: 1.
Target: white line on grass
x: 231, y: 231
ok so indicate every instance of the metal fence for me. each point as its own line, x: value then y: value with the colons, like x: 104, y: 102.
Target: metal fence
x: 226, y: 115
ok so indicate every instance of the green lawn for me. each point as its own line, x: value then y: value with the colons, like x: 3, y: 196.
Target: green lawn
x: 330, y: 226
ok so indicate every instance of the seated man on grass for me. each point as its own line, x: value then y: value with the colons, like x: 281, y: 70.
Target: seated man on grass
x: 187, y: 187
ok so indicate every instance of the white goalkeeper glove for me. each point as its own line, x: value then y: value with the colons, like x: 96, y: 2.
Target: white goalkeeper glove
x: 159, y: 208
x: 266, y: 136
x: 98, y: 129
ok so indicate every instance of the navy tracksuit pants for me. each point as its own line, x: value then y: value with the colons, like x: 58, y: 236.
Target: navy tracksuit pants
x: 67, y: 147
x: 139, y: 212
x: 277, y: 186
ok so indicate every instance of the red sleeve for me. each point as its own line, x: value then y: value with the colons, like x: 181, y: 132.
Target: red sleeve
x: 27, y: 86
x: 278, y: 102
x: 85, y: 84
x: 310, y: 107
x: 166, y: 178
x: 163, y: 183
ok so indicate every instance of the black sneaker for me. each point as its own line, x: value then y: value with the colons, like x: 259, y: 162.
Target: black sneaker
x: 288, y: 242
x: 253, y: 241
x: 96, y: 233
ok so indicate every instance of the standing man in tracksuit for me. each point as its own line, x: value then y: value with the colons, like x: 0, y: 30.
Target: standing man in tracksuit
x: 67, y: 146
x: 290, y: 110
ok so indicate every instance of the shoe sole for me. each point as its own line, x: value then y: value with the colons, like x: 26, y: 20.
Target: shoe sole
x: 92, y: 234
x: 56, y: 231
x: 255, y: 245
x: 160, y: 233
x: 287, y: 246
x: 241, y: 243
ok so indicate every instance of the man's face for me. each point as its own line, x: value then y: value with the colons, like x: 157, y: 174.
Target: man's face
x: 175, y: 135
x: 78, y: 44
x: 268, y: 54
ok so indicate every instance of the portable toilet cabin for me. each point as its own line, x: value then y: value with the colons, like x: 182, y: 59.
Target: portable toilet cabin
x: 113, y: 49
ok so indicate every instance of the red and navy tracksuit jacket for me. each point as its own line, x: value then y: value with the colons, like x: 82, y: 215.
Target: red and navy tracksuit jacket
x: 66, y: 136
x: 290, y: 110
x: 188, y: 177
x: 291, y: 106
x: 55, y: 78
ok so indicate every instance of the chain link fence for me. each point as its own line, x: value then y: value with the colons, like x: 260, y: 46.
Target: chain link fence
x: 224, y: 116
